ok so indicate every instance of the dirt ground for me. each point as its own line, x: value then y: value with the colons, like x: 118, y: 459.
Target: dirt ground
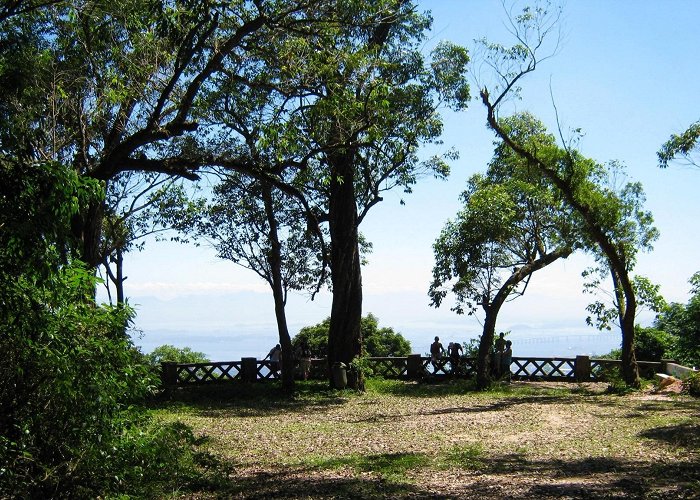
x: 540, y: 441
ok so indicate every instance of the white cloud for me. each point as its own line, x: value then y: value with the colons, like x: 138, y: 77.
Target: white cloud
x: 170, y: 290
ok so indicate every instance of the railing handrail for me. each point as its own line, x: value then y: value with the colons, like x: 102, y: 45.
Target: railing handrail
x: 580, y: 368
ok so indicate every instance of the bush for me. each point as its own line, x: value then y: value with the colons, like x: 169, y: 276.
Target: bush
x: 378, y: 342
x: 691, y: 385
x: 176, y: 355
x: 651, y: 344
x: 70, y: 374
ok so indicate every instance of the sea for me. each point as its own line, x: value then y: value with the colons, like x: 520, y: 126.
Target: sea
x: 225, y: 345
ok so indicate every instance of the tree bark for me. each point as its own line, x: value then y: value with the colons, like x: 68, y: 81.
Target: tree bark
x: 275, y: 260
x: 483, y: 363
x: 88, y: 231
x: 344, y: 337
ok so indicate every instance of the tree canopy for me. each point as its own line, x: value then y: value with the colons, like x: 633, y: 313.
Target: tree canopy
x: 378, y: 342
x: 611, y: 218
x: 683, y: 146
x: 511, y: 225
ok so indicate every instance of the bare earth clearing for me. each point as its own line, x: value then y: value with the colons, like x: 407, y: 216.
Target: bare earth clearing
x: 527, y: 440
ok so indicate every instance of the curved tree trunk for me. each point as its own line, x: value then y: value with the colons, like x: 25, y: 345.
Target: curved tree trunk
x: 483, y: 364
x: 616, y: 258
x: 627, y: 307
x: 344, y: 337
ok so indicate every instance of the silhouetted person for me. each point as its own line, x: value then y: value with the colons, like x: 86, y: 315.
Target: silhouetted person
x: 507, y: 359
x: 499, y: 346
x: 455, y: 351
x: 275, y: 356
x: 436, y: 352
x: 304, y: 356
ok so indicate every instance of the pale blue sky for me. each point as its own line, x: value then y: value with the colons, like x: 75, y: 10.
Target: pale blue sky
x: 626, y: 73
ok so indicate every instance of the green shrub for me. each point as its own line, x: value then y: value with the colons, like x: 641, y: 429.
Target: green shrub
x: 691, y: 385
x: 70, y: 376
x: 378, y: 342
x: 651, y: 344
x: 174, y: 354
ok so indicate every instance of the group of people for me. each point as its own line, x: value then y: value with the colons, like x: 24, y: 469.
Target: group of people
x: 454, y: 352
x: 502, y: 356
x: 302, y: 355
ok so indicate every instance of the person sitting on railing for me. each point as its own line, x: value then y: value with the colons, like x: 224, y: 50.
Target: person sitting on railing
x: 275, y: 356
x: 455, y: 351
x: 436, y: 352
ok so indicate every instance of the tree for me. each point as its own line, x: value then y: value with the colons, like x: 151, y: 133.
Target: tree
x: 138, y: 205
x: 512, y: 225
x: 604, y: 314
x: 684, y: 145
x: 614, y: 234
x: 379, y: 342
x: 254, y: 225
x: 356, y: 100
x: 69, y: 371
x: 106, y: 88
x: 682, y: 322
x: 174, y: 354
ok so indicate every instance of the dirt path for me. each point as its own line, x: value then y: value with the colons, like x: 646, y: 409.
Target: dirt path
x: 537, y: 441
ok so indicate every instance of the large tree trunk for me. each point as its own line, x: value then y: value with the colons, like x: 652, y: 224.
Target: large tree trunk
x: 89, y: 233
x: 344, y: 337
x: 275, y: 260
x: 483, y: 362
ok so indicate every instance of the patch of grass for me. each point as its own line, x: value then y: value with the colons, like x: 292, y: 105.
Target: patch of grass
x: 389, y: 466
x: 424, y: 389
x: 463, y: 457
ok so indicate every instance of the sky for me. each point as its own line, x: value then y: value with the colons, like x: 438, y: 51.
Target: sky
x: 626, y: 73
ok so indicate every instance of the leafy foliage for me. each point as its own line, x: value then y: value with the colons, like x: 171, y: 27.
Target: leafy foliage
x: 70, y: 372
x: 509, y: 221
x: 139, y: 205
x: 691, y: 385
x: 175, y: 354
x: 652, y: 344
x: 604, y: 314
x: 378, y: 342
x: 683, y: 145
x: 682, y: 322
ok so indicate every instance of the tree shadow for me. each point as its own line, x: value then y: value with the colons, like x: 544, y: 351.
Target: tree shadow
x: 252, y: 400
x: 500, y: 405
x: 685, y: 435
x: 505, y: 476
x: 601, y: 477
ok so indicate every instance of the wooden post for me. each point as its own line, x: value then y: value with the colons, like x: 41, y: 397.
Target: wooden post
x: 249, y: 369
x: 168, y: 374
x: 414, y: 367
x: 582, y: 368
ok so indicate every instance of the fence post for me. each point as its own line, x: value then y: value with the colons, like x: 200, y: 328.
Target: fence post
x: 582, y: 368
x: 249, y: 369
x: 168, y: 374
x: 414, y: 366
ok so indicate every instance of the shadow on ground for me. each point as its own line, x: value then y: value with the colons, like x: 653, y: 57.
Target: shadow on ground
x: 509, y: 476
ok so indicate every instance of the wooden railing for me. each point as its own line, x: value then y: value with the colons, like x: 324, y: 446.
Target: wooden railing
x: 413, y: 367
